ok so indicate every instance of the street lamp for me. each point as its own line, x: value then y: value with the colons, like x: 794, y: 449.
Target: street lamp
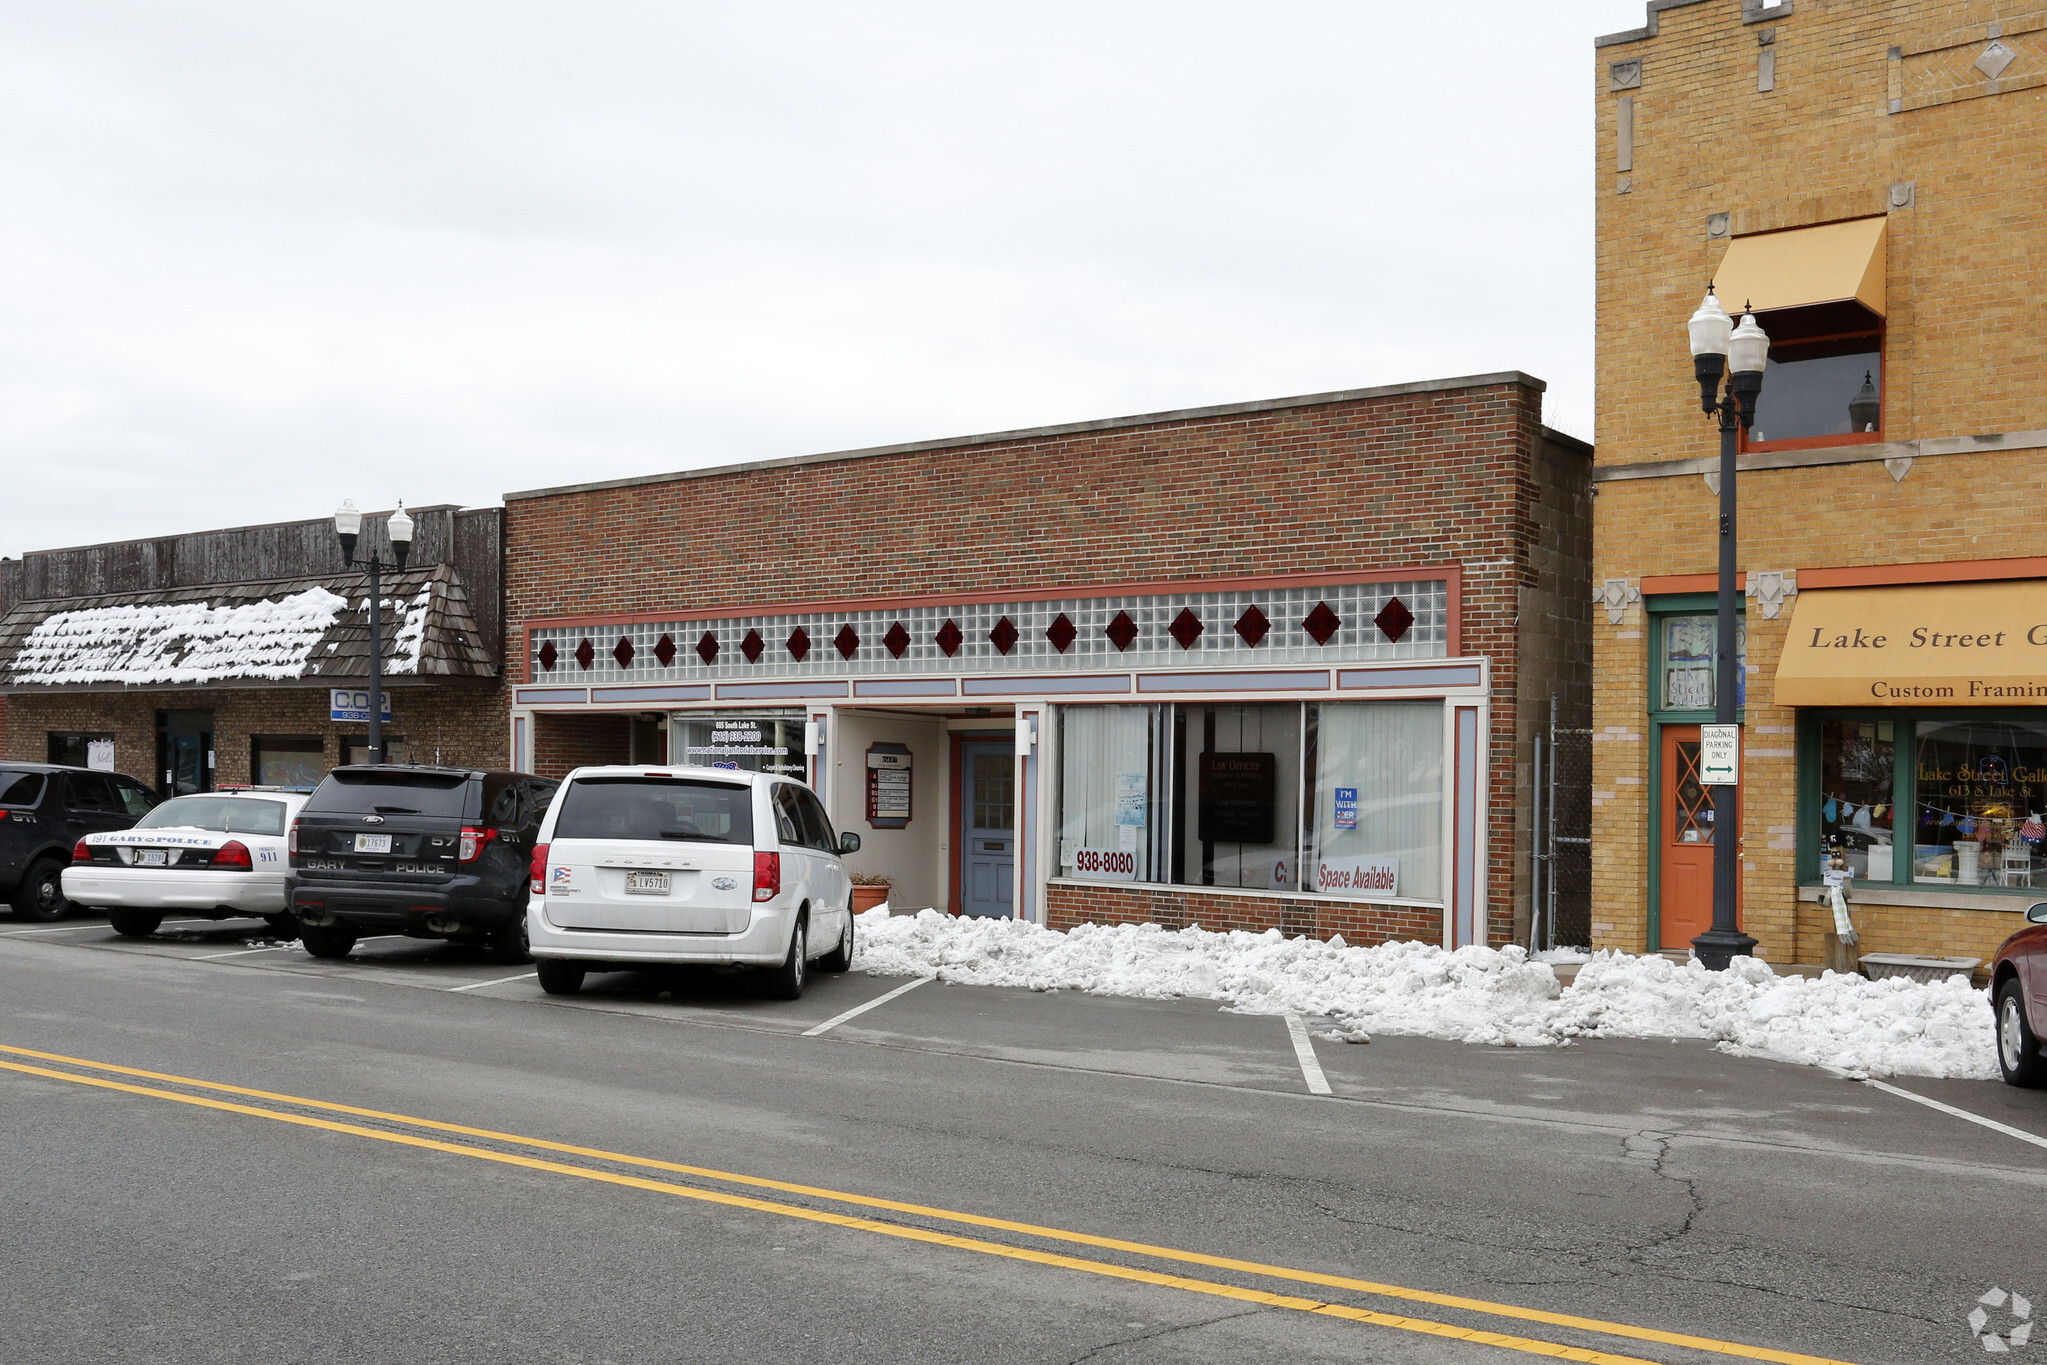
x: 347, y: 526
x: 1718, y: 345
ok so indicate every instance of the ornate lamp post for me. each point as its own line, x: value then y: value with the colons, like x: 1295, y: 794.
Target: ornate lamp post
x: 347, y: 525
x: 1719, y: 346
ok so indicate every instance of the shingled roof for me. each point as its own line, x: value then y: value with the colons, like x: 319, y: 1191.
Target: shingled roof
x: 302, y: 631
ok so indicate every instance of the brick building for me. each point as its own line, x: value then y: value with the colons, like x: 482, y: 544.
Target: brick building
x: 1275, y: 664
x: 208, y: 660
x: 1865, y: 175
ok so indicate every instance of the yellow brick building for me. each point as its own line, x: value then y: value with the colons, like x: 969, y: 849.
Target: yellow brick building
x: 1872, y: 176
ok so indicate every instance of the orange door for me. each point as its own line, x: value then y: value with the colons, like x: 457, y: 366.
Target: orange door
x: 1686, y: 894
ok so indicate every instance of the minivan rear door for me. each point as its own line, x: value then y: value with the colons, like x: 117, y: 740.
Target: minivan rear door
x: 652, y: 854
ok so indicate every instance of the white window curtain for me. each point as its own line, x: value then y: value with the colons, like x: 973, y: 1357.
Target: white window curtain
x: 1106, y: 808
x: 1379, y: 797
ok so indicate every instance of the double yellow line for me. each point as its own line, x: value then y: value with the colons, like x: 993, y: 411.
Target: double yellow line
x: 1424, y: 1326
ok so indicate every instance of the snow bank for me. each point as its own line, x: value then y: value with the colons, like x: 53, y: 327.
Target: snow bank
x: 178, y: 642
x: 1471, y: 995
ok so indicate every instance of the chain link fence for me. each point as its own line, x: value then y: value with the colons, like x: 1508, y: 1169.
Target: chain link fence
x: 1562, y: 871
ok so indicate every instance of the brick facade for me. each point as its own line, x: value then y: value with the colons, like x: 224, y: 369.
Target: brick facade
x: 458, y: 726
x: 1073, y: 903
x: 1967, y: 258
x: 1451, y: 473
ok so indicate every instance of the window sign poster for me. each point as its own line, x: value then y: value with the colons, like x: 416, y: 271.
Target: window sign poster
x: 1346, y: 807
x: 888, y: 786
x: 1359, y: 876
x: 1107, y: 864
x: 1130, y: 800
x: 1126, y: 838
x: 99, y: 755
x: 1236, y: 795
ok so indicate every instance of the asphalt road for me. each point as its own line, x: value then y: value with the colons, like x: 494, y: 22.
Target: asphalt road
x: 443, y: 1164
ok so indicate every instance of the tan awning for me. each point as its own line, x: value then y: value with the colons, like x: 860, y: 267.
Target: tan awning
x: 1957, y: 644
x: 1833, y: 263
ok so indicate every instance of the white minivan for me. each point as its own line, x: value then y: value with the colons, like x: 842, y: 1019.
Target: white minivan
x: 646, y: 867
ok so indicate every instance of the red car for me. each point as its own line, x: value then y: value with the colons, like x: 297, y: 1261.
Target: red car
x: 2018, y: 991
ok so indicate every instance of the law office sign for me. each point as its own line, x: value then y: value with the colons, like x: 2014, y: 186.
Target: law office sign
x: 1720, y: 755
x: 353, y: 704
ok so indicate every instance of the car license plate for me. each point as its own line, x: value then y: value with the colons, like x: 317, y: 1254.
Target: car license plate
x: 372, y: 843
x: 149, y: 857
x: 647, y: 883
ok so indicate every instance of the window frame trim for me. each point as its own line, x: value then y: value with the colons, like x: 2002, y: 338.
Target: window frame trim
x: 1853, y: 438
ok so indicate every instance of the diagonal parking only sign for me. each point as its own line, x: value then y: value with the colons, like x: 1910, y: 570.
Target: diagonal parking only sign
x: 1720, y: 755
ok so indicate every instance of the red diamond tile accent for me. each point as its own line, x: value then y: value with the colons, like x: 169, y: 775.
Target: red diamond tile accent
x: 664, y: 650
x: 799, y: 644
x: 1061, y: 633
x: 1003, y: 637
x: 1321, y: 623
x: 707, y: 648
x: 586, y: 654
x: 846, y: 642
x: 752, y: 646
x: 1393, y: 619
x: 1121, y: 631
x: 623, y: 652
x: 548, y: 656
x: 1253, y: 625
x: 1186, y: 628
x: 897, y: 640
x: 949, y: 638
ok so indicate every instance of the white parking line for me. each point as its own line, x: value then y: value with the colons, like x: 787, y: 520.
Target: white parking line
x: 828, y: 1025
x: 242, y: 952
x: 1304, y: 1049
x: 67, y: 928
x: 2005, y: 1128
x: 479, y: 985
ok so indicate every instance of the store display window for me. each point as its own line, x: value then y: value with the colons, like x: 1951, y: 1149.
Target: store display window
x: 755, y: 742
x: 1927, y: 799
x: 287, y: 760
x: 1340, y: 798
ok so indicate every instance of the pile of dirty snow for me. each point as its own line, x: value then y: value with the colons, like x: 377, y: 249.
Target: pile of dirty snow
x: 1470, y: 995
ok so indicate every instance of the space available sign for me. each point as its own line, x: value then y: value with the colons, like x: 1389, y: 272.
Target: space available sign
x: 1368, y: 876
x: 353, y: 704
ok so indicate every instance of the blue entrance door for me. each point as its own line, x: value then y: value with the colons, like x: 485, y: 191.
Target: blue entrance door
x: 988, y: 828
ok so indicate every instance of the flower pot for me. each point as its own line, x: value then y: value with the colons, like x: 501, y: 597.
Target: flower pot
x: 867, y: 897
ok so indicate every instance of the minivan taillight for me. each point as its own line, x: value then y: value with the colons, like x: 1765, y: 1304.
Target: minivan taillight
x: 767, y: 876
x: 291, y: 838
x: 472, y: 845
x: 233, y: 853
x: 540, y: 869
x: 81, y: 853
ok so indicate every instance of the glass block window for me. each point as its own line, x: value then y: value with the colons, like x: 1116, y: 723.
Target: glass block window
x: 1334, y: 624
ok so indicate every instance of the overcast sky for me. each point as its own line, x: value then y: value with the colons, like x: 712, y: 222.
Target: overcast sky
x: 258, y: 257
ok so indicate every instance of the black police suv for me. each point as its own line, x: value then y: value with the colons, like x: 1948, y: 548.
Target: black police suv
x: 425, y: 852
x: 44, y: 811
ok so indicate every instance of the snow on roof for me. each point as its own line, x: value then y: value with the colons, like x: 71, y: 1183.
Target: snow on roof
x: 178, y: 642
x: 310, y: 630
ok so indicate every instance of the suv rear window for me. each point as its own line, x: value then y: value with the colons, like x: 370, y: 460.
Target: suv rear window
x: 656, y: 808
x: 20, y: 789
x: 227, y: 814
x: 348, y: 793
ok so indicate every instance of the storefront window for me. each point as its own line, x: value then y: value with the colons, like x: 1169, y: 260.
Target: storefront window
x: 78, y: 749
x: 1982, y: 795
x: 1378, y: 798
x: 761, y: 742
x: 1239, y: 796
x: 1687, y: 660
x: 287, y: 760
x: 1214, y: 795
x: 356, y: 749
x: 1856, y: 795
x: 1107, y: 823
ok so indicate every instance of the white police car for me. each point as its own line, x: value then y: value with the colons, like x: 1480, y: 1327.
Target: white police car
x: 212, y: 855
